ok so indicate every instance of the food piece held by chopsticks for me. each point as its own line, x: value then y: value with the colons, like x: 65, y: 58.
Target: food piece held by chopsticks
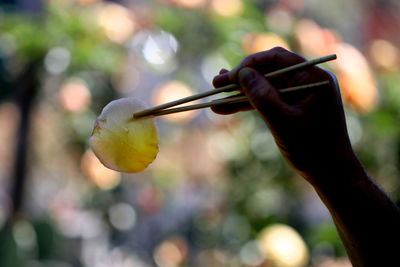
x: 125, y: 141
x: 122, y: 143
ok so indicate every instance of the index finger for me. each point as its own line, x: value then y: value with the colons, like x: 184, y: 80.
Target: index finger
x: 267, y: 61
x: 221, y: 79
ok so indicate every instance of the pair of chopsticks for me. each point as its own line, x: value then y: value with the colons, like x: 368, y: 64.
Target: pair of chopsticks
x: 165, y: 109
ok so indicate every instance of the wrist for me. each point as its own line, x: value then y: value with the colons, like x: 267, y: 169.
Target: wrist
x: 342, y: 170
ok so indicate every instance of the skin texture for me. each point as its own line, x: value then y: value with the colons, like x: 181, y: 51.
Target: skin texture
x: 310, y: 130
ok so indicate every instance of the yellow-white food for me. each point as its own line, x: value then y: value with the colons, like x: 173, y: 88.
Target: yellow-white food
x: 122, y: 143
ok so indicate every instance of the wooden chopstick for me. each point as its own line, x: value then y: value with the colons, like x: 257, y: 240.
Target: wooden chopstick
x: 231, y: 87
x: 231, y: 100
x: 234, y: 99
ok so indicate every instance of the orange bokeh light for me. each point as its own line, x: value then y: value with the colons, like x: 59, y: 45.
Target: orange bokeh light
x: 257, y: 42
x: 101, y: 176
x: 171, y: 252
x: 314, y: 40
x: 355, y: 76
x: 356, y: 79
x: 117, y: 22
x: 384, y: 55
x: 74, y: 96
x: 227, y: 8
x: 172, y: 91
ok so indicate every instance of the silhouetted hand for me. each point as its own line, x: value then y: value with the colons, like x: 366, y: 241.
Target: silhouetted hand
x: 310, y: 130
x: 309, y: 125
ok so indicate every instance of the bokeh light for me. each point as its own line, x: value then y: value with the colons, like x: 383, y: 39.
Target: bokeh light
x: 171, y: 91
x: 150, y: 199
x: 74, y: 96
x: 171, y: 252
x: 314, y: 40
x: 258, y: 143
x: 283, y: 246
x: 101, y: 176
x: 279, y: 20
x: 265, y: 202
x: 329, y: 262
x: 76, y: 223
x: 214, y: 258
x: 236, y: 229
x: 117, y: 21
x: 354, y: 128
x: 356, y: 79
x: 352, y: 68
x: 25, y: 236
x: 8, y: 45
x: 212, y: 64
x: 222, y: 147
x: 122, y: 216
x: 251, y: 255
x: 257, y: 42
x: 227, y: 8
x: 385, y: 55
x: 57, y: 60
x: 157, y: 48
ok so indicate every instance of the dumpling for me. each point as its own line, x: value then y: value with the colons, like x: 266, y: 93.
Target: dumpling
x: 122, y: 143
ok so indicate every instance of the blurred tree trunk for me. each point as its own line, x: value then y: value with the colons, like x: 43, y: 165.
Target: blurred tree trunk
x: 23, y: 5
x: 26, y: 90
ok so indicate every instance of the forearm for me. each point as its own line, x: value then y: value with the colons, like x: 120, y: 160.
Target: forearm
x: 367, y: 220
x: 310, y: 130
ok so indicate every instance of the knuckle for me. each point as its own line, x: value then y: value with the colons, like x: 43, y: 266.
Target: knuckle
x: 279, y: 49
x: 215, y: 81
x: 220, y: 80
x: 248, y: 61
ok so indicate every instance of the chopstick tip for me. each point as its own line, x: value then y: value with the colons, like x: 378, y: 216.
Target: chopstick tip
x: 332, y: 56
x: 137, y: 116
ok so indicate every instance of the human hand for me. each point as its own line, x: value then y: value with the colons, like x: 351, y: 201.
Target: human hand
x: 309, y: 125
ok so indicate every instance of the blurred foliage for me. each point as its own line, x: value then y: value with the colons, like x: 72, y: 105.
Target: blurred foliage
x: 75, y: 28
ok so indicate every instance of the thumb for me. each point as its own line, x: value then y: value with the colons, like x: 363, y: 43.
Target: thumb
x: 262, y: 94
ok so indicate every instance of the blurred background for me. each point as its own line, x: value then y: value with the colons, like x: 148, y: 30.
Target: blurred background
x: 219, y: 193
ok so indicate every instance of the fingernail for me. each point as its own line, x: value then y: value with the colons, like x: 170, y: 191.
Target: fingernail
x: 246, y: 75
